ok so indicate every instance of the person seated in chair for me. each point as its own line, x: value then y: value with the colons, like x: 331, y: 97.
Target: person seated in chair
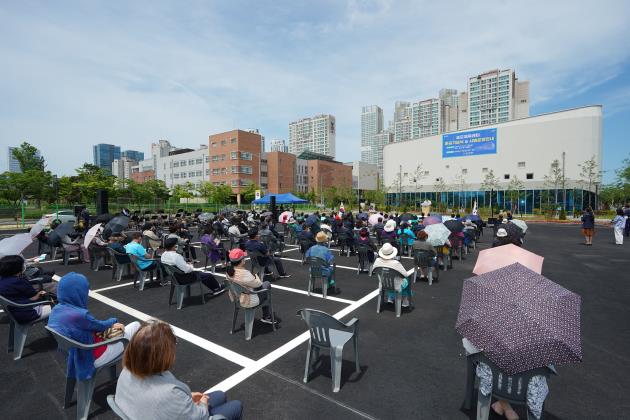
x: 501, y: 238
x: 387, y: 259
x: 172, y: 258
x: 72, y: 319
x: 421, y: 244
x: 135, y: 247
x: 320, y: 250
x: 276, y: 240
x: 389, y: 233
x: 148, y: 230
x: 115, y: 243
x: 364, y: 239
x: 176, y: 231
x: 254, y: 244
x: 216, y: 251
x: 73, y: 242
x: 147, y: 389
x: 379, y: 225
x: 306, y: 235
x: 16, y: 287
x: 239, y: 274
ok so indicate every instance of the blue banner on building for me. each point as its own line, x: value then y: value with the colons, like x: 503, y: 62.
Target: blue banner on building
x: 469, y: 143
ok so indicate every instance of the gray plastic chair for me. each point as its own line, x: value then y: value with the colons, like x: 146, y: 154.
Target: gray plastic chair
x: 98, y: 255
x: 386, y: 279
x: 112, y: 404
x: 364, y: 263
x: 316, y: 272
x: 141, y: 274
x: 66, y: 252
x: 181, y: 290
x: 404, y: 244
x: 17, y: 331
x: 424, y: 259
x: 512, y: 388
x: 250, y: 313
x: 206, y: 250
x: 343, y: 240
x: 119, y: 268
x: 331, y: 334
x: 256, y: 267
x: 85, y: 389
x: 272, y: 243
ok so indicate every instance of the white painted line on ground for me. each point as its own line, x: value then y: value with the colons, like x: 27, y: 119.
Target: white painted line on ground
x: 338, y: 266
x: 181, y: 333
x: 263, y: 362
x: 113, y: 287
x: 319, y: 295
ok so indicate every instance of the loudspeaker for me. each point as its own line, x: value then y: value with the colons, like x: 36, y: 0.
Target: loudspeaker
x: 274, y: 211
x: 102, y: 202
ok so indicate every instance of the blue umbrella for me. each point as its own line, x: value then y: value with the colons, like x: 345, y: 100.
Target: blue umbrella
x: 363, y: 216
x: 473, y: 218
x: 311, y: 220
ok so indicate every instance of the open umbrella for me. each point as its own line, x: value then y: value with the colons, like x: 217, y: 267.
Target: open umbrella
x: 407, y: 216
x: 454, y: 226
x: 363, y: 216
x: 494, y: 258
x: 15, y: 244
x: 266, y: 213
x: 520, y: 319
x: 311, y: 220
x: 39, y: 226
x: 514, y: 232
x: 89, y: 236
x: 438, y: 234
x: 473, y: 218
x: 117, y: 224
x: 54, y: 237
x: 284, y: 216
x: 521, y: 224
x: 204, y: 217
x: 373, y: 219
x: 431, y: 220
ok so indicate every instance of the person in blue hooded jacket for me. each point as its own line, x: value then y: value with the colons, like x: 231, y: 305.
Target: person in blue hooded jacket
x: 72, y: 319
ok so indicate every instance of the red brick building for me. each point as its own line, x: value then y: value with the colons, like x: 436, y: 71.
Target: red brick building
x: 281, y: 172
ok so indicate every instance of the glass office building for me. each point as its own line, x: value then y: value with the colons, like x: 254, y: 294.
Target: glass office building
x: 104, y: 155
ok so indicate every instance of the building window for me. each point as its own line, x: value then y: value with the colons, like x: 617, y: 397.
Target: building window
x: 223, y: 171
x: 464, y: 171
x: 521, y: 164
x: 529, y: 176
x: 208, y: 171
x: 207, y: 159
x: 198, y: 161
x: 182, y: 163
x: 506, y: 176
x: 176, y: 176
x: 234, y: 155
x: 222, y: 142
x: 233, y: 140
x: 234, y: 182
x: 191, y: 174
x: 215, y: 158
x: 215, y: 171
x: 199, y: 173
x: 192, y: 161
x: 182, y: 175
x: 175, y: 164
x: 246, y: 156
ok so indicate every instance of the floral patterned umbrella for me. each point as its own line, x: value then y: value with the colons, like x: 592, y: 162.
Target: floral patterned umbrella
x: 520, y: 319
x: 438, y: 234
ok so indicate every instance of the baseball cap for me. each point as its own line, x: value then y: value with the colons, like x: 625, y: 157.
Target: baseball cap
x: 237, y: 255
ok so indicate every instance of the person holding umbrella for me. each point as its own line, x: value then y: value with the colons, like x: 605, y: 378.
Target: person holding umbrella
x: 501, y: 238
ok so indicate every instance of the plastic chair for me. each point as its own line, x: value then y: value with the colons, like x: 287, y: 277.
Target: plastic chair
x: 85, y: 388
x: 112, y: 404
x: 272, y: 243
x: 404, y: 244
x: 305, y: 244
x: 98, y: 255
x: 206, y: 249
x: 181, y: 290
x: 343, y: 240
x: 257, y: 267
x: 121, y: 262
x: 424, y: 259
x: 364, y: 263
x: 236, y: 290
x: 18, y: 331
x: 331, y: 334
x: 316, y: 267
x: 67, y: 252
x: 386, y: 278
x: 141, y: 274
x: 512, y: 388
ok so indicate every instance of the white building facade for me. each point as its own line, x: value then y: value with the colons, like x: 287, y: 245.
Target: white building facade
x: 371, y: 124
x: 365, y: 176
x: 182, y: 166
x: 456, y: 166
x: 279, y: 145
x: 121, y: 168
x: 316, y: 134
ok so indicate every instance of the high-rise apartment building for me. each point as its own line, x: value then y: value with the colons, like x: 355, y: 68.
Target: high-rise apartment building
x: 104, y: 155
x: 316, y: 134
x: 279, y: 145
x: 463, y: 119
x: 235, y: 159
x: 497, y: 96
x: 449, y: 110
x: 371, y: 124
x: 121, y: 168
x: 380, y: 140
x: 425, y: 118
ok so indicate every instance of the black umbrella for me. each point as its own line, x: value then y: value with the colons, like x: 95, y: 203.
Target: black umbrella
x: 407, y: 216
x: 103, y: 218
x: 115, y: 225
x: 514, y: 232
x: 54, y: 237
x: 455, y: 226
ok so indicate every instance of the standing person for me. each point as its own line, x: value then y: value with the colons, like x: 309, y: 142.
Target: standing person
x: 588, y: 225
x: 619, y: 224
x: 626, y: 212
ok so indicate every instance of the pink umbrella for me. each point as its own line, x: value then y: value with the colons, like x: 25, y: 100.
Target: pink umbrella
x: 89, y: 236
x: 373, y: 219
x: 431, y: 220
x: 284, y: 216
x: 501, y: 256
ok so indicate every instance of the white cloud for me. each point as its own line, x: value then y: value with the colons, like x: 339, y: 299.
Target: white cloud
x: 130, y: 73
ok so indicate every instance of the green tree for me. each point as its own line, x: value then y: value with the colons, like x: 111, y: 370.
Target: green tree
x: 375, y: 196
x: 589, y: 174
x: 554, y: 179
x: 27, y: 155
x: 91, y: 178
x: 206, y: 189
x: 513, y: 189
x: 157, y: 188
x: 490, y: 183
x: 222, y: 194
x: 249, y: 194
x: 182, y: 191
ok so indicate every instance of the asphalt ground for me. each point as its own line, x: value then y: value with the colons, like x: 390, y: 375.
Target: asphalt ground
x: 411, y: 367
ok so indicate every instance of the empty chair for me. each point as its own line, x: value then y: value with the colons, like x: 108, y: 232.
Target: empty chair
x: 236, y: 290
x: 98, y: 256
x: 318, y: 269
x: 258, y: 268
x: 511, y: 388
x: 181, y: 290
x: 122, y: 263
x: 423, y: 259
x: 19, y: 331
x: 330, y: 334
x: 85, y: 388
x: 387, y: 283
x: 272, y: 243
x: 68, y: 249
x: 364, y: 263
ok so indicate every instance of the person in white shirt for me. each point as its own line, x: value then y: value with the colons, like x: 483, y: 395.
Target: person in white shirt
x: 387, y: 259
x: 173, y: 258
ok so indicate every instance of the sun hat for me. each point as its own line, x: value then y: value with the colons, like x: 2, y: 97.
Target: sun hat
x: 321, y: 237
x: 501, y: 233
x: 237, y: 254
x: 387, y: 252
x: 390, y: 226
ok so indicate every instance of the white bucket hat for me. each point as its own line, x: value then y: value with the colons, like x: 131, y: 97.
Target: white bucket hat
x: 501, y: 233
x: 387, y: 252
x: 389, y: 226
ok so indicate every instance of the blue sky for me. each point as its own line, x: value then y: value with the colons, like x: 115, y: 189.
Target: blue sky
x: 129, y: 73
